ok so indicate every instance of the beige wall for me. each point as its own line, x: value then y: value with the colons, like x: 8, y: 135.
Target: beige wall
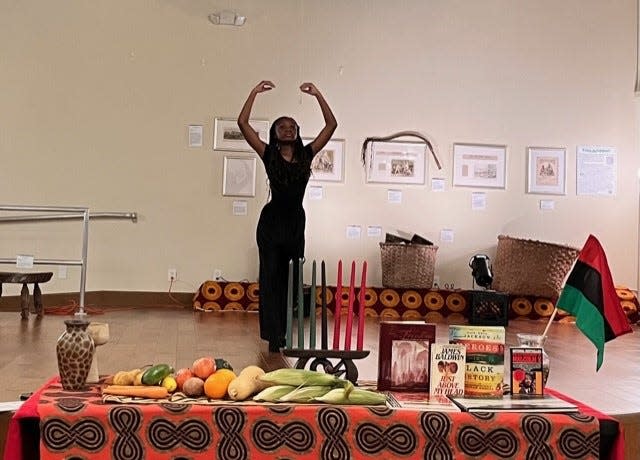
x: 97, y: 96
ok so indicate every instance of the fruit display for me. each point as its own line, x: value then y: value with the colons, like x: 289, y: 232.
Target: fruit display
x: 215, y: 379
x: 206, y: 377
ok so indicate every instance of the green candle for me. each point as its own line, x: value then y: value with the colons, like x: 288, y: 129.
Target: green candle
x: 300, y: 307
x: 290, y: 305
x: 312, y: 308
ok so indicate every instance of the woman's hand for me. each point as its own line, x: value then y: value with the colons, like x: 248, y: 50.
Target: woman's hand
x: 264, y: 85
x: 309, y: 88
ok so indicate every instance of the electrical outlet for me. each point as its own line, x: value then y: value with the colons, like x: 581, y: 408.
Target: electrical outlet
x: 217, y: 274
x: 62, y: 272
x: 172, y: 274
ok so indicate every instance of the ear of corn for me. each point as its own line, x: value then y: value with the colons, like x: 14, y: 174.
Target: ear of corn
x: 305, y: 394
x: 304, y: 377
x: 356, y: 396
x: 273, y: 393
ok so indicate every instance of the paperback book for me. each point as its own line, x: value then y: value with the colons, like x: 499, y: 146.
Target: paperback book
x: 447, y: 369
x: 484, y: 369
x: 514, y: 403
x: 420, y: 401
x: 404, y: 355
x: 526, y: 371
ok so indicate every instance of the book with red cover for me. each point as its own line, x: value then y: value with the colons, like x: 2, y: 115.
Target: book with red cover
x: 404, y: 355
x: 526, y: 371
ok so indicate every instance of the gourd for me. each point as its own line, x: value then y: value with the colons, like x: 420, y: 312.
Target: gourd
x: 125, y: 377
x: 246, y: 383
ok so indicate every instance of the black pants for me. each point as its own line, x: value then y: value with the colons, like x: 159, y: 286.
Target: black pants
x: 280, y: 237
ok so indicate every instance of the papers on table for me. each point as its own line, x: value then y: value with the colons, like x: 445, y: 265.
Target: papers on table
x: 515, y: 403
x: 420, y: 401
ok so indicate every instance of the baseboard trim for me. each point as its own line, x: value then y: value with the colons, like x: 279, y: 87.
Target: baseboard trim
x: 106, y: 299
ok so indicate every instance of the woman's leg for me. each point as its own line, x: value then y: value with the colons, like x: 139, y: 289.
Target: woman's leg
x: 273, y: 288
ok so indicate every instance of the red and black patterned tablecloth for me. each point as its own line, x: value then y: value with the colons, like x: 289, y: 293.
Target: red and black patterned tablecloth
x: 432, y: 305
x: 82, y: 426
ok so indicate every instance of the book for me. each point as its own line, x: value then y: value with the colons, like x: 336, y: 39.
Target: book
x: 484, y: 369
x: 404, y: 355
x: 525, y: 369
x: 447, y: 369
x: 420, y: 401
x: 514, y: 403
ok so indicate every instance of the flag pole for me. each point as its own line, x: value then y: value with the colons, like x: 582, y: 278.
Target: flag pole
x: 546, y: 329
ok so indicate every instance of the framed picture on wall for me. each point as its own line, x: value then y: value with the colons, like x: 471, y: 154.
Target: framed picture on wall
x: 239, y: 176
x: 479, y: 165
x: 227, y: 135
x: 546, y: 171
x: 397, y: 163
x: 328, y: 164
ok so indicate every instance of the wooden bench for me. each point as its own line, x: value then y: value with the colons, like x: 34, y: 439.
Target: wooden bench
x: 24, y: 279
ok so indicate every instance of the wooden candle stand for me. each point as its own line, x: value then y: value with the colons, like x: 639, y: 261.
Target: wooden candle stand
x: 345, y: 367
x: 320, y: 357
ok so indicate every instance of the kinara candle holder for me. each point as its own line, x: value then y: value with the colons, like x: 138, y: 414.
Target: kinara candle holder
x: 316, y: 358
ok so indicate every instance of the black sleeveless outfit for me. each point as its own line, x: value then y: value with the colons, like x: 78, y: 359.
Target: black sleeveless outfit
x: 280, y: 238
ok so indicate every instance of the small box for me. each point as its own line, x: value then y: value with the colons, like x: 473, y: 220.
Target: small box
x: 489, y: 308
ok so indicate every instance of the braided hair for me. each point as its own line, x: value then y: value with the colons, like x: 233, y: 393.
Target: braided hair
x: 300, y: 165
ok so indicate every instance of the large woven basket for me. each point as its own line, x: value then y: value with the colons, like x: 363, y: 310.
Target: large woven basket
x: 530, y: 267
x: 407, y: 265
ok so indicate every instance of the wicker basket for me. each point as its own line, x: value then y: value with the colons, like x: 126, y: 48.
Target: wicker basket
x: 529, y: 267
x: 407, y: 265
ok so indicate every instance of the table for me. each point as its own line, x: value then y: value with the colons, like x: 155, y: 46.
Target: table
x: 24, y: 279
x: 80, y: 425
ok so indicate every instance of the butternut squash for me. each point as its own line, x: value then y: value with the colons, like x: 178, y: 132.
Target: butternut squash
x: 246, y: 384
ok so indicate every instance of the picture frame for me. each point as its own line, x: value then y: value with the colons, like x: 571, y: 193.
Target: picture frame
x: 397, y: 163
x: 227, y: 134
x: 328, y: 163
x: 404, y: 355
x: 479, y: 165
x: 239, y: 176
x: 546, y: 170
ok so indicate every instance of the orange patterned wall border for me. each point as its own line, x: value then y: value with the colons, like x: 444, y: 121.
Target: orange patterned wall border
x: 432, y: 305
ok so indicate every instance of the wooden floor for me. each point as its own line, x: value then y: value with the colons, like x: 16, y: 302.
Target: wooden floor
x: 140, y: 336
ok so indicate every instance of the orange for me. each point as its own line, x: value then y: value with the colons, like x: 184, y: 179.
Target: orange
x: 215, y: 387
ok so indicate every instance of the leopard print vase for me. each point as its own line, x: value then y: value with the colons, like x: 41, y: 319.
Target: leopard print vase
x: 75, y: 349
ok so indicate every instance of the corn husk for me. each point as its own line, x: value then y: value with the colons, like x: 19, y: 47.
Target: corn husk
x: 356, y: 396
x: 303, y: 377
x: 273, y: 393
x: 305, y: 394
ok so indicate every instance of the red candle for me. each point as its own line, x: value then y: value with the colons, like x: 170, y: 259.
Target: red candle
x: 336, y: 313
x: 363, y: 288
x: 349, y: 326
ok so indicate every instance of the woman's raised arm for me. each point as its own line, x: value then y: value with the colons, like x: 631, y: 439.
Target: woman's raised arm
x: 330, y: 123
x: 250, y: 135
